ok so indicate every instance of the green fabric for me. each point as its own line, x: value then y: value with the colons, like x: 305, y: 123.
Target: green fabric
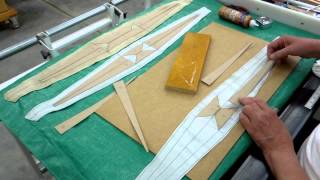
x: 97, y: 150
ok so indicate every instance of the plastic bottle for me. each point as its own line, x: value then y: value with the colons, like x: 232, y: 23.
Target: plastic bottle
x: 236, y: 17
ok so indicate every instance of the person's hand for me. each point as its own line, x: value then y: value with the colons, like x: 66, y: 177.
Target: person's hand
x: 270, y: 134
x: 264, y: 126
x: 281, y: 48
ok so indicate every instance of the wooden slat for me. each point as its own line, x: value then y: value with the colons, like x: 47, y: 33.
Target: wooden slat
x: 122, y: 92
x: 210, y: 78
x: 70, y: 123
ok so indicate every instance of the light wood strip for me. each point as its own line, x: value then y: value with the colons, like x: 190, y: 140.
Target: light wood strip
x: 211, y: 77
x: 122, y: 93
x: 70, y: 123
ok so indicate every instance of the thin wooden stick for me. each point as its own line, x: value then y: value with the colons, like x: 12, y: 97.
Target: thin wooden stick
x: 122, y: 92
x: 70, y: 123
x: 211, y: 77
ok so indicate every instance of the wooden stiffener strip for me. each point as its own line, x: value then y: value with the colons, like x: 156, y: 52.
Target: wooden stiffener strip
x: 211, y: 77
x: 123, y: 95
x: 70, y: 123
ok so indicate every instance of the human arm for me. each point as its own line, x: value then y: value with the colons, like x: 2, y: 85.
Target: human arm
x: 271, y: 135
x: 281, y: 48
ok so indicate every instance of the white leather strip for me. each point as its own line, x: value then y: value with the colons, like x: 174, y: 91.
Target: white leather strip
x: 46, y: 107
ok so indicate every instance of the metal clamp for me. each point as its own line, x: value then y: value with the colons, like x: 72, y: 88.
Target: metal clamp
x: 147, y: 3
x: 115, y: 16
x: 63, y: 26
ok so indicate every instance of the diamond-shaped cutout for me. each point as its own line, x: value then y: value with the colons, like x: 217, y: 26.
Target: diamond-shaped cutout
x: 132, y: 58
x: 146, y: 47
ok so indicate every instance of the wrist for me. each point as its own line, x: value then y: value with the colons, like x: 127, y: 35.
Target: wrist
x: 283, y: 154
x: 281, y: 144
x: 271, y: 154
x: 314, y: 45
x: 284, y: 164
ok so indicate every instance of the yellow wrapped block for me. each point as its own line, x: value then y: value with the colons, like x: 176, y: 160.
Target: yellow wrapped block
x: 186, y: 71
x: 3, y: 6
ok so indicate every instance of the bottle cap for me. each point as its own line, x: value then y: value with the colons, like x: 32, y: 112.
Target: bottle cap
x: 253, y: 23
x: 264, y: 22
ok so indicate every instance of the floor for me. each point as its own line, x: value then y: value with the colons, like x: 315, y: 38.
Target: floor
x: 36, y: 16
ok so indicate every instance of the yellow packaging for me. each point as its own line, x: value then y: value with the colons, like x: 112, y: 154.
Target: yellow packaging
x: 186, y: 71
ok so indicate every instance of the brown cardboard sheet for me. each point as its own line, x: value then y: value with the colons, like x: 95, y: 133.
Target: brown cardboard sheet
x: 160, y: 111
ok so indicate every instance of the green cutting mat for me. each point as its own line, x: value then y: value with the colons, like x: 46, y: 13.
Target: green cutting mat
x: 95, y: 149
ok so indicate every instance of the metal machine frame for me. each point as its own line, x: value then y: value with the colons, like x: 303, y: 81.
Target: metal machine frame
x: 281, y: 14
x: 147, y: 3
x: 115, y: 15
x: 52, y: 48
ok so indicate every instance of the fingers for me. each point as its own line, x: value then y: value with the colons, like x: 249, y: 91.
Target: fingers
x: 250, y: 100
x: 263, y: 105
x: 244, y: 120
x: 252, y: 111
x: 246, y: 100
x: 281, y: 54
x: 274, y: 46
x: 279, y: 49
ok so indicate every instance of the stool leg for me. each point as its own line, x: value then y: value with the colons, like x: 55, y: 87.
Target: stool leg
x: 14, y: 23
